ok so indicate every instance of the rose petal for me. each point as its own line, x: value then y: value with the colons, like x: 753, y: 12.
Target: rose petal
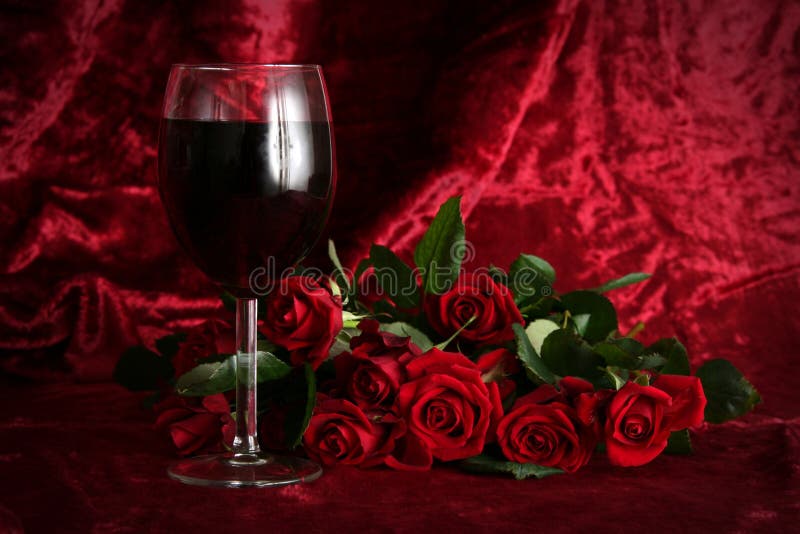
x: 688, y: 400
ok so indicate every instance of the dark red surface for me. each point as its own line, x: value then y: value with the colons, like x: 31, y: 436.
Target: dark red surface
x: 84, y: 458
x: 604, y: 136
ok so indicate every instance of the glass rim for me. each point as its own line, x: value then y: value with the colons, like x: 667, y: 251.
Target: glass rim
x: 247, y: 66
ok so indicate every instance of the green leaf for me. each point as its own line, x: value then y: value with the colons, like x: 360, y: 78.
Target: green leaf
x: 487, y: 465
x: 529, y: 276
x: 168, y: 345
x: 628, y: 279
x: 594, y: 315
x: 615, y: 355
x: 728, y: 392
x: 341, y: 342
x: 529, y: 358
x: 336, y: 289
x: 652, y: 361
x: 265, y: 345
x: 141, y: 369
x: 396, y: 278
x: 567, y: 355
x: 351, y: 320
x: 339, y: 275
x: 218, y: 376
x: 629, y: 345
x: 498, y: 275
x: 406, y: 330
x: 296, y: 424
x: 215, y: 358
x: 440, y: 251
x: 294, y: 397
x: 679, y: 443
x: 622, y: 352
x: 536, y: 307
x: 207, y: 379
x: 228, y: 301
x: 674, y: 352
x: 613, y: 379
x: 537, y: 331
x: 270, y: 367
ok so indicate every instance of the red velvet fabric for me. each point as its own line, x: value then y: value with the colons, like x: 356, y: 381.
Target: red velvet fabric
x: 84, y: 458
x: 605, y: 136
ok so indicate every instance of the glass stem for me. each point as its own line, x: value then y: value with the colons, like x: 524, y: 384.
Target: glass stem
x: 246, y: 441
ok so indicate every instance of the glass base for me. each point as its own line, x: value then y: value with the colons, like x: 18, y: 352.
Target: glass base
x: 244, y: 470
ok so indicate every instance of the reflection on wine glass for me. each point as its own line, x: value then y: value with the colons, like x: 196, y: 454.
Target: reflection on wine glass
x: 247, y: 175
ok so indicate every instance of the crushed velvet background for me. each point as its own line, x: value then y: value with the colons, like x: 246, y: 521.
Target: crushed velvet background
x: 606, y: 136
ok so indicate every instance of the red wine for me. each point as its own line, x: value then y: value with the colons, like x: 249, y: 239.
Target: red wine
x: 244, y: 195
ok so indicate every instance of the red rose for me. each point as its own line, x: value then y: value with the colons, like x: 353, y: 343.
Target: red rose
x: 303, y: 317
x: 635, y: 424
x: 588, y: 403
x: 371, y: 375
x: 339, y: 432
x: 548, y: 434
x: 369, y: 381
x: 211, y: 337
x: 194, y: 424
x: 446, y: 404
x: 496, y: 366
x: 688, y: 400
x: 477, y: 296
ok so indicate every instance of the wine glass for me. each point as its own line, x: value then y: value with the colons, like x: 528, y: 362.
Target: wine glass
x: 246, y: 171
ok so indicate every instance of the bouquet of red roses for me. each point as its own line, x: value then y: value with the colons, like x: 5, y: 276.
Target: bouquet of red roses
x: 399, y: 366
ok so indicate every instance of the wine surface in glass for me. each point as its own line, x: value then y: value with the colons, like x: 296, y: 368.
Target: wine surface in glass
x: 243, y: 195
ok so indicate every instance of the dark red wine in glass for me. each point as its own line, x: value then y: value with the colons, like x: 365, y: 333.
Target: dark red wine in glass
x: 237, y: 202
x: 247, y: 175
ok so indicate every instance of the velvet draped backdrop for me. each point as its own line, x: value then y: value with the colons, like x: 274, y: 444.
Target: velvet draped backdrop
x: 606, y: 136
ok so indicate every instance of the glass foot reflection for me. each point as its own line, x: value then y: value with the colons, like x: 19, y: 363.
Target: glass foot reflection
x: 255, y: 470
